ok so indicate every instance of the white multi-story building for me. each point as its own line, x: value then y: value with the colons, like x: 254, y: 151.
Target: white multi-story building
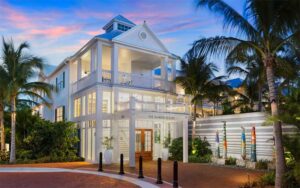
x: 120, y: 84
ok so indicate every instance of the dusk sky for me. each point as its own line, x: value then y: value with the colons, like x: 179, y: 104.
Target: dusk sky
x: 56, y: 29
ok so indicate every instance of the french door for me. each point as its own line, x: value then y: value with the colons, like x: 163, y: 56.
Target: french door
x: 143, y: 143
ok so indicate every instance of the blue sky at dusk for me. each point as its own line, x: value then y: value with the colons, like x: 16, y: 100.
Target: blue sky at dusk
x: 56, y: 29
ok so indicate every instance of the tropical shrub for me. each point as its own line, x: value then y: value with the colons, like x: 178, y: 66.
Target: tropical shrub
x: 198, y: 150
x: 267, y: 179
x: 230, y: 161
x: 262, y: 164
x: 44, y: 141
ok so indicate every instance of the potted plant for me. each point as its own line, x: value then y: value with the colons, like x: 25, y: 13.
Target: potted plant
x: 165, y: 150
x: 108, y: 150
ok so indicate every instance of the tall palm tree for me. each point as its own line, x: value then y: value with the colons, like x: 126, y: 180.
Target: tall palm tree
x: 19, y: 67
x: 3, y: 95
x: 266, y: 27
x: 198, y: 80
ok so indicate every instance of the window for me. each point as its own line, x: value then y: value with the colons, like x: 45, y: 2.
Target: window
x: 92, y: 103
x: 123, y: 27
x: 77, y: 107
x: 83, y: 105
x: 86, y: 64
x: 60, y: 114
x: 123, y: 97
x: 106, y: 102
x: 60, y: 81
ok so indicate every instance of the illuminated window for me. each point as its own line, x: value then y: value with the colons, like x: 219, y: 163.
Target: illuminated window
x: 86, y: 64
x: 106, y: 102
x: 77, y: 108
x: 92, y: 103
x: 59, y: 113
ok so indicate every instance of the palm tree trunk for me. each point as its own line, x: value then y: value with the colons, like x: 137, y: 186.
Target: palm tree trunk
x: 259, y: 98
x: 12, y: 158
x: 194, y: 122
x: 280, y: 161
x: 2, y: 127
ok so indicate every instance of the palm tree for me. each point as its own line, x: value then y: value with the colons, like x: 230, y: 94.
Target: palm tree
x: 266, y: 28
x: 3, y: 95
x: 19, y: 67
x: 198, y: 80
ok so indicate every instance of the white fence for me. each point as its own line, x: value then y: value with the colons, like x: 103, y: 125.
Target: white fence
x: 207, y: 127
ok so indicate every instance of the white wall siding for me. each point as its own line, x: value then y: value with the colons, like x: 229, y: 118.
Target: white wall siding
x: 207, y: 128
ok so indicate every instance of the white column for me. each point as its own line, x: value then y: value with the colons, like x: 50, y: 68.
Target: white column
x: 132, y: 120
x: 185, y: 139
x: 99, y: 61
x: 93, y: 60
x: 114, y: 63
x: 99, y: 126
x: 78, y: 69
x: 173, y: 70
x: 164, y: 68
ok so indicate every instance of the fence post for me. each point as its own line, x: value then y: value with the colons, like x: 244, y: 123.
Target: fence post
x: 159, y: 179
x: 175, y: 174
x: 121, y: 165
x: 100, y: 168
x: 141, y: 167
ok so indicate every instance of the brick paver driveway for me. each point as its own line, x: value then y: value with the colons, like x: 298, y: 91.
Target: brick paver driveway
x: 191, y: 175
x: 59, y: 179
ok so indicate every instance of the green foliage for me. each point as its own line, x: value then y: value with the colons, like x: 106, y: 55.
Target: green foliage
x: 267, y: 179
x: 176, y: 149
x: 198, y: 150
x: 262, y: 164
x: 108, y: 142
x: 167, y: 140
x: 4, y: 156
x: 41, y: 140
x: 227, y: 107
x: 230, y: 161
x: 201, y: 159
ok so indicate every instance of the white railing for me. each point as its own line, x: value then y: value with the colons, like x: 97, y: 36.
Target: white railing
x: 153, y: 107
x: 84, y: 82
x: 145, y: 81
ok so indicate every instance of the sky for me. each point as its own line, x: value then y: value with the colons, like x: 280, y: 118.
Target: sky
x: 56, y: 29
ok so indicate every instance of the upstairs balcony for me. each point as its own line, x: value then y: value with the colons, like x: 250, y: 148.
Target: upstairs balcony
x: 134, y: 80
x: 124, y: 67
x: 141, y: 106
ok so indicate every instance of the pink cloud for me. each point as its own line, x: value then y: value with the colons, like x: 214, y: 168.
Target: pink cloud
x: 53, y: 32
x: 94, y: 33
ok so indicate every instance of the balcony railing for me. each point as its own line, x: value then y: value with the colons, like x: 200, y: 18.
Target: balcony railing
x: 145, y: 81
x: 127, y: 79
x: 153, y: 107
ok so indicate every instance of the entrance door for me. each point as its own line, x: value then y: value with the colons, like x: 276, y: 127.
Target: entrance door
x: 143, y: 143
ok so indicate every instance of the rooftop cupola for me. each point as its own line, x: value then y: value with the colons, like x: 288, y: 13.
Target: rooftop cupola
x: 118, y: 23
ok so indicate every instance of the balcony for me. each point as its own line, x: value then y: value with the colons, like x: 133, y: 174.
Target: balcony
x: 142, y: 106
x: 126, y: 79
x: 145, y: 81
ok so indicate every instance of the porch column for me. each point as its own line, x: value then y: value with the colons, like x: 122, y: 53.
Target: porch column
x: 99, y: 61
x: 93, y: 60
x: 132, y: 133
x: 164, y: 68
x: 185, y: 136
x: 114, y: 63
x: 173, y: 70
x: 78, y: 69
x: 99, y: 126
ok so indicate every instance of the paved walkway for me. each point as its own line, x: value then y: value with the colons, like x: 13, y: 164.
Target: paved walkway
x: 57, y: 177
x: 190, y: 175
